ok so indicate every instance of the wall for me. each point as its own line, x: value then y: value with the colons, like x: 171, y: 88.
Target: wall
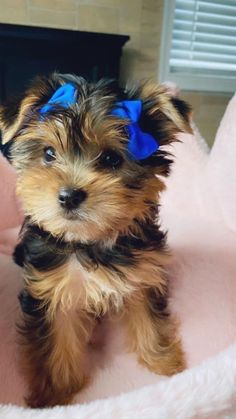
x: 141, y: 19
x: 208, y: 110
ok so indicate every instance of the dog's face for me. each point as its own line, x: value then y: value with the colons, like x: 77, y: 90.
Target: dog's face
x: 75, y: 176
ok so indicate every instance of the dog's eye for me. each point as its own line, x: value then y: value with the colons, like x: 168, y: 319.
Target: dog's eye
x: 49, y: 154
x: 111, y: 159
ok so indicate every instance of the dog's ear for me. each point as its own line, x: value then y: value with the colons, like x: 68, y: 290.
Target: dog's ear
x: 13, y: 116
x: 163, y: 115
x: 17, y: 113
x: 8, y: 114
x: 43, y: 95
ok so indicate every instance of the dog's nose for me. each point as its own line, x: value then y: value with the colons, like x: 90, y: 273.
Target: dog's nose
x: 70, y: 198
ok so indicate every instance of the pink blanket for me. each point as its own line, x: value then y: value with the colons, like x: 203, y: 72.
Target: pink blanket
x: 199, y: 210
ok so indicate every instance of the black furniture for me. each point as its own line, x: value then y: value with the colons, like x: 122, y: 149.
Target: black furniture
x: 26, y: 51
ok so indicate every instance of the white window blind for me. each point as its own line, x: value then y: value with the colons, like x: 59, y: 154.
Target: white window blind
x: 199, y: 44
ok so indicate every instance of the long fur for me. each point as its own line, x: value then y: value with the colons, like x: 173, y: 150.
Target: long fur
x: 109, y: 256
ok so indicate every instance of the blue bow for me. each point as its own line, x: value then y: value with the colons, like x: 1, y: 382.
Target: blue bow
x: 64, y: 96
x: 141, y: 144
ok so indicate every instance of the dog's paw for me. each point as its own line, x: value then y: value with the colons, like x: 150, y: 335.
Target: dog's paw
x: 48, y: 397
x: 167, y: 361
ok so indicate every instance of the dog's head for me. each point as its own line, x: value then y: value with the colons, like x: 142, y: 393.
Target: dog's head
x: 90, y: 157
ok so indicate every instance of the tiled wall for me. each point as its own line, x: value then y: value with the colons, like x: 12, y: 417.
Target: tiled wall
x: 141, y: 19
x: 208, y: 111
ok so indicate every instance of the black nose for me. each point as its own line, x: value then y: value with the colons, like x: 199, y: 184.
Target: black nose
x: 70, y: 198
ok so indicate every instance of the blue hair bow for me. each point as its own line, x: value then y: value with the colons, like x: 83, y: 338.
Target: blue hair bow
x: 141, y: 145
x: 64, y: 96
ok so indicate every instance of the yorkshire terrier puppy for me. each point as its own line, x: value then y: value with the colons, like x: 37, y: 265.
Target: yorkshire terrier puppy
x: 91, y: 164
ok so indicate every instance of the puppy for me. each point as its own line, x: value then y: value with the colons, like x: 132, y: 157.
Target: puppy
x: 91, y: 164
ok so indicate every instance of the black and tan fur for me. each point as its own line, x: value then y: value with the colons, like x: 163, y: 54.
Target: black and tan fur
x: 109, y: 256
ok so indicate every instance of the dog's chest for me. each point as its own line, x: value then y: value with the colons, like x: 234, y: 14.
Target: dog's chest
x: 97, y: 289
x: 89, y: 277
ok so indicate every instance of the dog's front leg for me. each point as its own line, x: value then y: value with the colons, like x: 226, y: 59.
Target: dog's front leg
x: 152, y: 333
x: 53, y: 351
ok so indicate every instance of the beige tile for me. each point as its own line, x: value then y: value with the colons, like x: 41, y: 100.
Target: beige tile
x: 146, y: 73
x: 151, y: 22
x: 150, y: 41
x: 146, y: 60
x: 153, y: 5
x: 12, y: 4
x: 133, y: 42
x: 9, y: 13
x: 14, y: 17
x: 49, y: 18
x: 112, y: 3
x: 59, y: 5
x: 201, y: 99
x: 130, y: 19
x: 106, y: 3
x: 98, y: 19
x: 128, y: 67
x: 208, y: 110
x: 217, y: 100
x: 130, y: 58
x: 208, y: 131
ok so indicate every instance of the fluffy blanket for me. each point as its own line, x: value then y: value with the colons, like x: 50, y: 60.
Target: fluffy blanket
x: 199, y: 211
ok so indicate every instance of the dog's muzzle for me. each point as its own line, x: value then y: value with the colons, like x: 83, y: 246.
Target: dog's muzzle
x: 70, y: 198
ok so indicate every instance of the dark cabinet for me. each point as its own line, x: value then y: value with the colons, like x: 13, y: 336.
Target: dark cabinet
x: 27, y: 51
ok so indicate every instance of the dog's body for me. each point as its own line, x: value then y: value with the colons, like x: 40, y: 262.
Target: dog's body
x: 90, y: 245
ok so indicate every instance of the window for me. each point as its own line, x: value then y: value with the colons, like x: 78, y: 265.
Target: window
x: 199, y: 44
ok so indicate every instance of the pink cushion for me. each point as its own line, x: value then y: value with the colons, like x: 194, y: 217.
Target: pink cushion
x: 198, y: 209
